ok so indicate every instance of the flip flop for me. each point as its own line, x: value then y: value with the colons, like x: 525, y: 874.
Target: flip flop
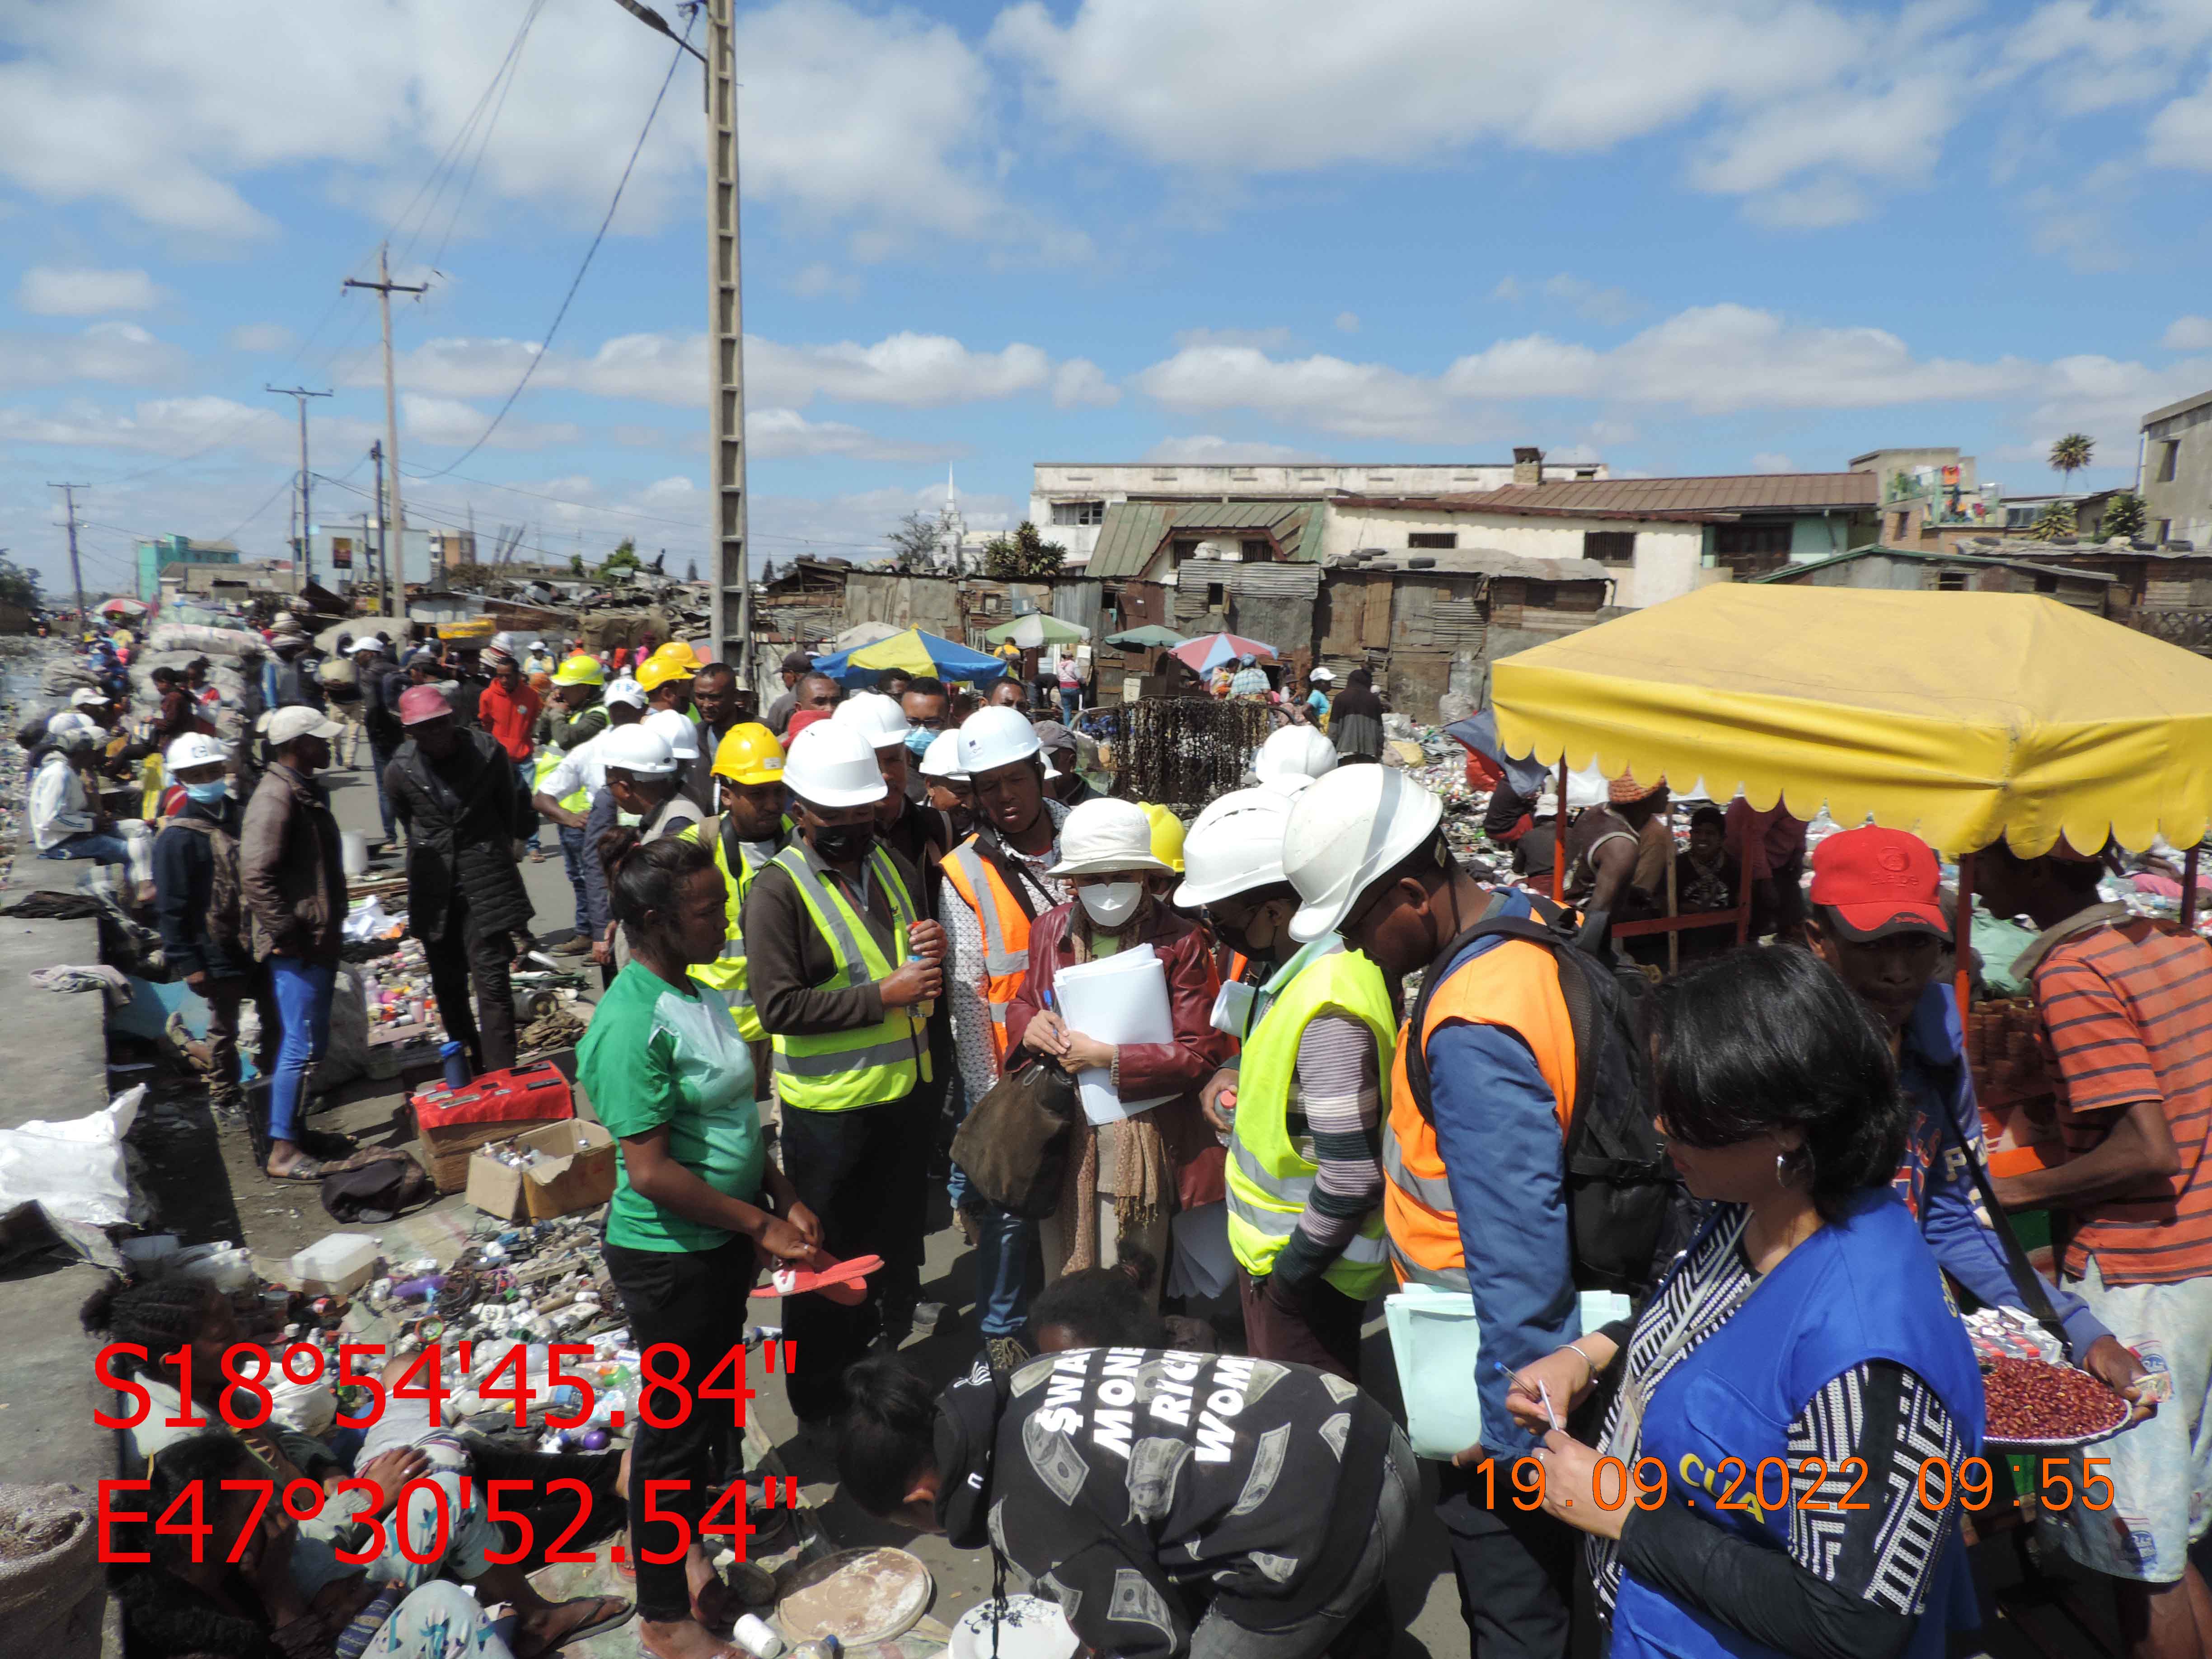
x: 842, y: 1282
x: 589, y: 1628
x: 307, y: 1170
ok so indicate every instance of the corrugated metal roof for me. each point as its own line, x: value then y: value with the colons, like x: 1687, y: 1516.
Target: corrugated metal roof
x: 1132, y: 531
x: 1653, y: 498
x: 1922, y: 555
x: 1482, y: 562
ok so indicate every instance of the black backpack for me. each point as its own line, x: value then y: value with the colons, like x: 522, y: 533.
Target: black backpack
x: 1628, y: 1211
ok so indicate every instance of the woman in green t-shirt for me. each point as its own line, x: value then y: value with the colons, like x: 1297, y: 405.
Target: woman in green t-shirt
x: 696, y: 1204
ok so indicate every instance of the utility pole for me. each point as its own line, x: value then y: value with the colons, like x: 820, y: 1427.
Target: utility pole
x: 383, y: 540
x: 77, y: 577
x: 385, y: 288
x: 306, y: 547
x: 732, y: 590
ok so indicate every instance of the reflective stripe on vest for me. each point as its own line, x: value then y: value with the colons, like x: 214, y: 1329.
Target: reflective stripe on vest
x: 726, y: 973
x: 1270, y: 1178
x: 844, y: 1071
x: 1513, y: 984
x: 1005, y: 933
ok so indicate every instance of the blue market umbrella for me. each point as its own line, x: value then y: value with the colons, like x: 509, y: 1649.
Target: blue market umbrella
x: 914, y: 651
x: 1478, y: 732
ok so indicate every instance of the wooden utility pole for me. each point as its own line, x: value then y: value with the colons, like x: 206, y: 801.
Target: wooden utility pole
x: 383, y: 541
x: 728, y: 570
x: 77, y: 577
x: 305, y: 546
x: 394, y: 518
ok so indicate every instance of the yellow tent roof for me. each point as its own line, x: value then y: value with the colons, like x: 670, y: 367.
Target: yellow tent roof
x: 1961, y: 717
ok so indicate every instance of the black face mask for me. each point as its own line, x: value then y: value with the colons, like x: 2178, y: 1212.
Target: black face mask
x: 845, y: 844
x: 1235, y: 940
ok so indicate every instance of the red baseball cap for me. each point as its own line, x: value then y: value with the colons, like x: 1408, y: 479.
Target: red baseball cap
x: 801, y: 720
x: 418, y: 703
x: 1876, y: 883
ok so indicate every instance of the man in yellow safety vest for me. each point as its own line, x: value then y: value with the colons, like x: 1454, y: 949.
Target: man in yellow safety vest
x: 750, y: 830
x: 843, y: 965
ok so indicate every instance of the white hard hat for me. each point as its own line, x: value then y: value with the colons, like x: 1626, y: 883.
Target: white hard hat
x: 1295, y: 752
x: 193, y: 748
x: 878, y: 719
x: 1236, y: 847
x: 85, y: 697
x: 995, y: 736
x: 833, y: 765
x: 638, y: 749
x: 1349, y: 828
x: 624, y: 690
x: 675, y: 731
x: 942, y: 758
x: 1287, y: 784
x: 1104, y: 836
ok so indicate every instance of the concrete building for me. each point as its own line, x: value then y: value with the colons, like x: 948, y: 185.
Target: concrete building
x: 1658, y: 538
x: 164, y: 552
x: 2174, y: 474
x: 1069, y: 500
x: 1930, y: 491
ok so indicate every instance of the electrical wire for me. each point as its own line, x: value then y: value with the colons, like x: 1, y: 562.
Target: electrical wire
x: 546, y: 344
x: 512, y: 69
x: 290, y: 481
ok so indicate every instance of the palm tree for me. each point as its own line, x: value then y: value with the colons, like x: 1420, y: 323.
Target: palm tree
x: 2070, y: 454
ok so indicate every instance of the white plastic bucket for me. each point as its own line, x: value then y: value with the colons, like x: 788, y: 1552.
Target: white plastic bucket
x: 354, y: 852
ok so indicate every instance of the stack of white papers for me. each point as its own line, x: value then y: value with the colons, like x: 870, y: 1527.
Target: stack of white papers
x: 1118, y: 998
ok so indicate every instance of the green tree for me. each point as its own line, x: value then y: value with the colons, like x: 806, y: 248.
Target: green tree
x: 2125, y: 516
x: 913, y: 539
x: 1022, y: 554
x: 576, y: 565
x: 2055, y: 521
x: 19, y: 585
x: 2070, y: 454
x: 624, y: 557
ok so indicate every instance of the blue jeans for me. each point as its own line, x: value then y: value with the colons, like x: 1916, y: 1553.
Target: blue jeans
x: 303, y: 1007
x: 380, y: 758
x: 572, y: 855
x: 103, y: 845
x: 1004, y: 1246
x: 1071, y: 705
x: 525, y: 773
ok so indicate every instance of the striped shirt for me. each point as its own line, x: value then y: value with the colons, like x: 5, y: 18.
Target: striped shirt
x: 1335, y: 1116
x: 2127, y: 1017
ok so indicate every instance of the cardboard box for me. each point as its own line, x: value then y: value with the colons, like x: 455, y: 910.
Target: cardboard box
x: 578, y: 1174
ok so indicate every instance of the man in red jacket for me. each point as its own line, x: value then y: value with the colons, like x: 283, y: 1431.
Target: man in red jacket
x: 508, y: 708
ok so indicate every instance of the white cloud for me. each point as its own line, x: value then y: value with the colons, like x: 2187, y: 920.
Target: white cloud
x: 881, y: 121
x: 122, y: 353
x: 1347, y: 322
x: 907, y: 370
x: 1328, y: 393
x: 1205, y: 449
x: 818, y: 279
x: 53, y: 291
x: 775, y: 434
x: 267, y: 338
x: 1509, y: 289
x: 2188, y: 334
x: 1767, y: 461
x: 450, y: 422
x: 1078, y: 382
x: 2180, y: 135
x: 174, y: 427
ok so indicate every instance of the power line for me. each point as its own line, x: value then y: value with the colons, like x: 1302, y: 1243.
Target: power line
x: 284, y: 485
x: 511, y: 69
x: 546, y: 344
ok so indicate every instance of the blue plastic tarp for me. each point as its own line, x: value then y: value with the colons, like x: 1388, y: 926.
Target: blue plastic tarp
x: 1478, y: 732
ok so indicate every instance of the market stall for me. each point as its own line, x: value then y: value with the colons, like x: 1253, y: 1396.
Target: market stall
x: 1961, y: 717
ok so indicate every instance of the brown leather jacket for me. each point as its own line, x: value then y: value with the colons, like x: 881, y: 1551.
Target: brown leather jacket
x: 1180, y: 1067
x: 291, y: 875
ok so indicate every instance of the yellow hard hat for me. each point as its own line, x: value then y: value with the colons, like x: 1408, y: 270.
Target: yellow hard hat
x: 750, y: 754
x: 658, y: 670
x: 579, y: 670
x: 678, y: 651
x: 1167, y: 835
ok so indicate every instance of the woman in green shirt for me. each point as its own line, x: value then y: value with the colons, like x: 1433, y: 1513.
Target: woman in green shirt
x: 696, y: 1204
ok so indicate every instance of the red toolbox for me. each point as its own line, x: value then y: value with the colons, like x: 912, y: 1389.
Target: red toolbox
x: 453, y: 1123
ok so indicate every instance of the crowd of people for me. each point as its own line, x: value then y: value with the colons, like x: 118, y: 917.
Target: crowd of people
x: 1728, y: 1214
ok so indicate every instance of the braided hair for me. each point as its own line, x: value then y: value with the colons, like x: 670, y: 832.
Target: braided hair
x: 644, y: 876
x: 160, y: 1316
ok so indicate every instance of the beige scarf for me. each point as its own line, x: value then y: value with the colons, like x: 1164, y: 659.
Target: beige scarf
x: 1140, y: 1156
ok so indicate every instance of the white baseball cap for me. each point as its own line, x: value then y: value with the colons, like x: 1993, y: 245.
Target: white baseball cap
x: 193, y: 748
x: 290, y: 725
x: 624, y: 690
x: 85, y: 697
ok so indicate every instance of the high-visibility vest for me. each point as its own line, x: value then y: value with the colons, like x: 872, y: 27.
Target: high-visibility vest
x: 1512, y: 984
x: 1005, y: 933
x: 726, y: 973
x: 844, y: 1071
x: 580, y: 799
x: 1270, y: 1175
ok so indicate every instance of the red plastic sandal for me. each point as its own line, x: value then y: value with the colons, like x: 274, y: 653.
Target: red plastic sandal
x: 841, y: 1281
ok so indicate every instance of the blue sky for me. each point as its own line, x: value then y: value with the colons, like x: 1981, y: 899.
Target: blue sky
x: 1682, y: 236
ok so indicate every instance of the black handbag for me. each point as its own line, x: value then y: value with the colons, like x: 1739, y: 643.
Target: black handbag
x: 1013, y: 1143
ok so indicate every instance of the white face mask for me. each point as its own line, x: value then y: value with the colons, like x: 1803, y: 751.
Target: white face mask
x: 1112, y: 904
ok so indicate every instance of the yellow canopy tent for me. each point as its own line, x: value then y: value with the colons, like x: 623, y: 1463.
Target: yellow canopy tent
x: 1961, y: 717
